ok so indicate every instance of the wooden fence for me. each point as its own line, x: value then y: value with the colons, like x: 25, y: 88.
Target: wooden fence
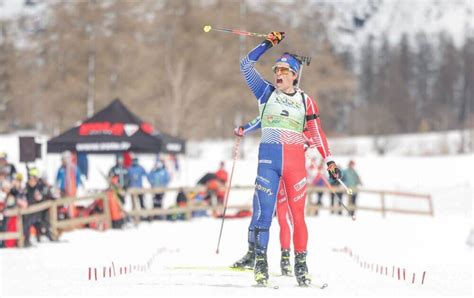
x: 57, y: 225
x: 136, y: 213
x: 311, y: 208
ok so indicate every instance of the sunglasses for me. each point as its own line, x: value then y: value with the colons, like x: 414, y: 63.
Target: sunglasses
x: 283, y: 70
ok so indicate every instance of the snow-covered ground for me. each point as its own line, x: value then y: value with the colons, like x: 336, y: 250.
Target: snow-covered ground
x: 180, y: 257
x: 183, y: 261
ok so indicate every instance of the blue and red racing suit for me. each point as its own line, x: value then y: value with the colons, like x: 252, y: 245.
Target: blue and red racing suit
x: 285, y: 219
x: 283, y: 118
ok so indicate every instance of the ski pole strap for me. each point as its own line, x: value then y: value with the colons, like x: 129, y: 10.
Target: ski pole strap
x: 311, y: 117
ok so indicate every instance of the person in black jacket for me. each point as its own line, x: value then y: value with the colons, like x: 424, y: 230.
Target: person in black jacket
x: 36, y: 191
x: 121, y: 173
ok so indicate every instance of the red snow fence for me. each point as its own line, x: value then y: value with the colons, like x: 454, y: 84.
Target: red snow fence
x: 123, y: 270
x: 402, y: 274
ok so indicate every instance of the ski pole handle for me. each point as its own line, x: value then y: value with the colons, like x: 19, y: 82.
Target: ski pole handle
x: 208, y: 28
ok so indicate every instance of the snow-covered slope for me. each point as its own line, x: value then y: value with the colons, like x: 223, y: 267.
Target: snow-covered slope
x: 355, y: 20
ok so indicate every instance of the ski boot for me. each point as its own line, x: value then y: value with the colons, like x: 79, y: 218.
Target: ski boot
x: 301, y: 270
x: 261, y: 269
x: 285, y: 263
x: 247, y: 261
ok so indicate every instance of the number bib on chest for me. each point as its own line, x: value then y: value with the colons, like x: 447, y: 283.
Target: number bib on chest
x: 283, y: 111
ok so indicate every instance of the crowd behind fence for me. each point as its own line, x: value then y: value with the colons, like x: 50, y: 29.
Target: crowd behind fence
x: 135, y: 214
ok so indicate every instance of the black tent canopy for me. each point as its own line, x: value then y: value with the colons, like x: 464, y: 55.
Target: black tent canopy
x: 115, y: 129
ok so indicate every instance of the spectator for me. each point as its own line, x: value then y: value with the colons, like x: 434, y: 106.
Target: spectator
x: 136, y: 173
x: 33, y: 193
x: 5, y: 201
x: 222, y: 177
x: 159, y: 177
x: 181, y: 198
x: 181, y: 202
x: 68, y: 177
x: 3, y: 177
x: 117, y: 212
x: 14, y: 197
x: 338, y: 193
x: 17, y: 183
x: 37, y: 190
x: 352, y: 180
x: 6, y: 168
x: 122, y: 177
x: 10, y: 197
x: 42, y: 226
x: 222, y: 174
x: 212, y: 184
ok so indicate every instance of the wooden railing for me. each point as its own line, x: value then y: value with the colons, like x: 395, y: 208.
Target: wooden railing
x: 136, y: 213
x: 55, y: 224
x: 312, y: 208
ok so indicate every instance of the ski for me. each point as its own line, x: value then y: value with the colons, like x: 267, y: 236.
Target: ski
x: 212, y: 268
x: 316, y: 286
x: 266, y: 285
x: 248, y: 270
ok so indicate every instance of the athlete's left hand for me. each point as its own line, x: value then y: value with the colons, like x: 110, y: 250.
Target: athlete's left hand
x: 239, y: 131
x: 334, y: 171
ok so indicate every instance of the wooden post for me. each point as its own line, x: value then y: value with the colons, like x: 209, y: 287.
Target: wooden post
x: 430, y: 203
x: 19, y: 227
x: 382, y: 201
x: 107, y: 215
x: 134, y: 208
x: 53, y: 220
x: 189, y: 212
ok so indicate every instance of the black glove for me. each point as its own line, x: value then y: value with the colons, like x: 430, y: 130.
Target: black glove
x: 334, y: 171
x: 275, y: 37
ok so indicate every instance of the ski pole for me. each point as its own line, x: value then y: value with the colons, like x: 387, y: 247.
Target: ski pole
x: 338, y: 198
x: 227, y: 191
x: 348, y: 190
x: 208, y: 28
x: 328, y: 185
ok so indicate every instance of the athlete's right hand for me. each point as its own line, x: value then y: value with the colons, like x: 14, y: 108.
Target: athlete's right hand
x: 275, y: 37
x: 239, y: 131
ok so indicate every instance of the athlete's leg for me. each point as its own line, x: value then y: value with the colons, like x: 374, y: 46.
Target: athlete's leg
x: 285, y: 222
x: 284, y: 219
x: 294, y: 178
x: 266, y: 192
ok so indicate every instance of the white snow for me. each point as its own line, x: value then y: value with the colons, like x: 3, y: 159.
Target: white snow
x: 182, y: 254
x: 393, y: 18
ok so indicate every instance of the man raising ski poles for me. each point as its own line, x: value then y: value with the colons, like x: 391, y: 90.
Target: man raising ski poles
x: 284, y: 112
